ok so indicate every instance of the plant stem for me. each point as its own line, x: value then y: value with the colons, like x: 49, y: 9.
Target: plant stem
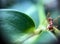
x: 42, y: 18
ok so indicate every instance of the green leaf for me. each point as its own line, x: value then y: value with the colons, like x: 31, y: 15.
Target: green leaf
x: 17, y: 20
x: 15, y: 24
x: 46, y: 37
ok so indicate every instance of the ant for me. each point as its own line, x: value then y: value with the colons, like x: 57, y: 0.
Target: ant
x: 51, y: 22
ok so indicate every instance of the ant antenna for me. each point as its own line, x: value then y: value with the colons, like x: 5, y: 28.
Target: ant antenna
x: 48, y: 15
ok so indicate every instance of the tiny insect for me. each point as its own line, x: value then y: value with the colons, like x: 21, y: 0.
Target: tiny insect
x: 50, y: 26
x: 51, y: 22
